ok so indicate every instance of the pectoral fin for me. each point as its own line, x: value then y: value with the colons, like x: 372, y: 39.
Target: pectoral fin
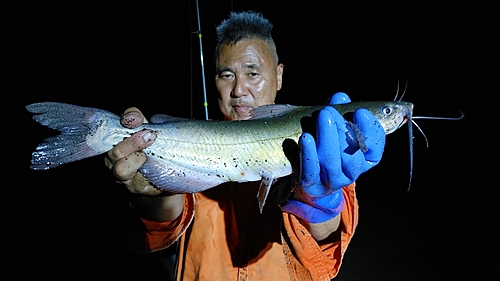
x: 355, y: 138
x: 265, y: 186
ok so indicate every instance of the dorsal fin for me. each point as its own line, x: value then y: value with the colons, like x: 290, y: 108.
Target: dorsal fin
x: 271, y: 110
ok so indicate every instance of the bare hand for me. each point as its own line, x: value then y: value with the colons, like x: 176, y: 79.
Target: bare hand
x: 127, y: 157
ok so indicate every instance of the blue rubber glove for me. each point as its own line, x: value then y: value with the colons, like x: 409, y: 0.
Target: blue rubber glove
x: 332, y: 161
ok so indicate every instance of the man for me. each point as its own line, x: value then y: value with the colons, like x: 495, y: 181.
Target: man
x: 221, y: 233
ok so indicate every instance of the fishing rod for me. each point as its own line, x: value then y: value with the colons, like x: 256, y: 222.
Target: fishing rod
x: 198, y: 32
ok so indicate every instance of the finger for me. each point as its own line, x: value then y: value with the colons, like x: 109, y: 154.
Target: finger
x: 126, y: 167
x: 374, y: 134
x: 339, y: 98
x: 331, y: 142
x: 374, y: 140
x: 136, y: 142
x: 160, y: 118
x: 309, y: 160
x: 140, y: 185
x: 132, y: 118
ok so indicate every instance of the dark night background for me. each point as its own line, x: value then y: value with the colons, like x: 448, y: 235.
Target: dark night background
x: 70, y: 223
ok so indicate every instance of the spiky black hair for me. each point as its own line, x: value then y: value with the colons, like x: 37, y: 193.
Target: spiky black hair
x: 243, y: 26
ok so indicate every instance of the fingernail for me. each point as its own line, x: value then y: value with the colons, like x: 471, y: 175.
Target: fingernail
x: 149, y: 136
x: 130, y: 118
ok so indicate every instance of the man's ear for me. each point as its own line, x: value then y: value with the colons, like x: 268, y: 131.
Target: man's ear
x: 279, y: 75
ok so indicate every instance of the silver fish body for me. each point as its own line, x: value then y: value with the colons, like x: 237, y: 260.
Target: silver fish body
x: 190, y: 155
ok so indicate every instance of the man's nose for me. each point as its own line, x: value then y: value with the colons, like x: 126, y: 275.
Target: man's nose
x: 239, y: 88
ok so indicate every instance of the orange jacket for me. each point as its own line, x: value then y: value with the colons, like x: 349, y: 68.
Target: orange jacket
x: 223, y: 236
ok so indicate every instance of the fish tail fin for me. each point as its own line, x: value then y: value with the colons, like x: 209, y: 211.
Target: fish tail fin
x: 82, y: 135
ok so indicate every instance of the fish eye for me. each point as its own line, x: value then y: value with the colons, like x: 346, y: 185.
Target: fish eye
x: 386, y: 110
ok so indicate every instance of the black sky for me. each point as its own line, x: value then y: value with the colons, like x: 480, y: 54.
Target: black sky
x: 70, y: 223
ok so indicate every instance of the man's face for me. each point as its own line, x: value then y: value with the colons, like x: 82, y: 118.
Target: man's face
x: 246, y: 78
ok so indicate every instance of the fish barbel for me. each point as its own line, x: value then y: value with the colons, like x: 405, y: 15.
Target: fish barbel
x: 192, y: 155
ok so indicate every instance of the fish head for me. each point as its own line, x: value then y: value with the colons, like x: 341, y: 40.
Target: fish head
x: 392, y: 114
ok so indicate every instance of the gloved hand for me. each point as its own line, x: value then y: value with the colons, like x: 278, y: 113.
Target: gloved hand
x: 333, y: 161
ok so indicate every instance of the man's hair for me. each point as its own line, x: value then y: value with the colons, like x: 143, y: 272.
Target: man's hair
x: 244, y: 26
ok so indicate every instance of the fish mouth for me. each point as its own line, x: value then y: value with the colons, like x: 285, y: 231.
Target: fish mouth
x: 404, y: 121
x: 407, y: 111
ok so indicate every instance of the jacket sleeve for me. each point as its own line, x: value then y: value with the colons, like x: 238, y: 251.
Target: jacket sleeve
x: 321, y: 261
x: 148, y: 236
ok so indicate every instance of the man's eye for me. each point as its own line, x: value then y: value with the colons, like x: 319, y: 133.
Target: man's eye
x: 225, y: 76
x: 253, y: 74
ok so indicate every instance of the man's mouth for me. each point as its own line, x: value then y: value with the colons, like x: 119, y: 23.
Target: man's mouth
x: 241, y: 108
